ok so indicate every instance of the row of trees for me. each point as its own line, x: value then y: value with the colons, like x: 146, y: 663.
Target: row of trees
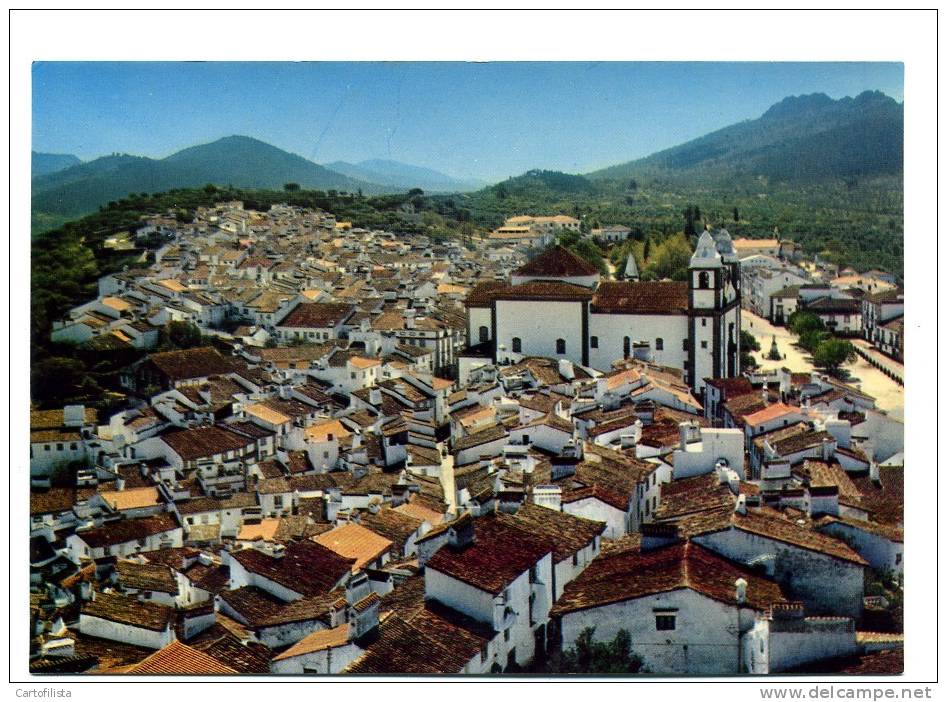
x: 827, y: 351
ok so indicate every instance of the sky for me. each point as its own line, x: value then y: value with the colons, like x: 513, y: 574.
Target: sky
x: 470, y: 120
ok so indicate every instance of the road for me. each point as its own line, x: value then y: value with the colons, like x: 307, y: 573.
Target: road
x: 888, y: 394
x: 447, y: 479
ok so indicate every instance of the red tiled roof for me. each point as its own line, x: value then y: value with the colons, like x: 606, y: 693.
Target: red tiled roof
x: 180, y: 659
x: 500, y: 553
x: 317, y: 315
x: 629, y: 574
x: 557, y: 262
x: 305, y: 567
x: 656, y: 297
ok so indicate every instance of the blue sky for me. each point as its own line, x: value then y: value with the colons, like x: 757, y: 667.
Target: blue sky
x: 482, y: 120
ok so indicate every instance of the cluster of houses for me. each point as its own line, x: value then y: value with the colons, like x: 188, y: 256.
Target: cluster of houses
x: 387, y: 463
x: 776, y: 283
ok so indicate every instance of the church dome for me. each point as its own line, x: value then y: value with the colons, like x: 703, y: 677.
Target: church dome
x: 706, y: 254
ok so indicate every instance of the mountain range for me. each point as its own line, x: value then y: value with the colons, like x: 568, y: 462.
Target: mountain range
x: 801, y: 140
x: 398, y: 175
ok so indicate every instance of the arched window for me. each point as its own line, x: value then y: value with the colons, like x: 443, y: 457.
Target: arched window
x: 484, y: 334
x: 560, y: 346
x: 517, y: 344
x: 626, y: 347
x: 703, y: 279
x: 659, y: 344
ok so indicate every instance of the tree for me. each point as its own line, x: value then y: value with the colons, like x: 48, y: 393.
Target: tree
x: 184, y: 335
x: 647, y: 250
x: 57, y: 379
x: 588, y: 656
x: 291, y: 187
x: 736, y: 215
x: 748, y: 341
x: 774, y: 354
x: 801, y: 322
x: 832, y: 353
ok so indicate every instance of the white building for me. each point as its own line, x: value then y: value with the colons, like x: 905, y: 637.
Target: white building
x: 555, y: 306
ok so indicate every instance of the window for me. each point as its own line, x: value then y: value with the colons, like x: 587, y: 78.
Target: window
x: 897, y: 558
x: 703, y: 344
x: 517, y: 344
x: 659, y: 344
x: 506, y: 635
x: 59, y: 447
x: 560, y: 346
x: 278, y: 501
x: 626, y: 347
x: 73, y: 446
x: 575, y: 558
x: 593, y: 342
x: 684, y: 345
x: 353, y: 376
x: 703, y: 279
x: 703, y: 322
x: 46, y: 447
x: 665, y: 622
x: 484, y: 334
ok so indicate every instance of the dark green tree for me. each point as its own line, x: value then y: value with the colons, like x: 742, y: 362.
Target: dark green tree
x: 832, y: 353
x: 590, y: 657
x: 291, y: 187
x: 184, y: 335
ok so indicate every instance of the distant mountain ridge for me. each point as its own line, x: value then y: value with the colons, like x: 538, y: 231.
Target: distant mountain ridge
x: 801, y: 138
x: 404, y: 175
x: 43, y: 163
x: 236, y: 160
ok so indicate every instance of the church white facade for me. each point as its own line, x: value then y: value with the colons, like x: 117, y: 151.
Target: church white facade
x: 556, y: 306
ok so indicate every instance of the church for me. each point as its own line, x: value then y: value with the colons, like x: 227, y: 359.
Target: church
x: 557, y: 306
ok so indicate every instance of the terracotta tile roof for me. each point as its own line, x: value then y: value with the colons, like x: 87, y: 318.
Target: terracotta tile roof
x: 567, y: 533
x: 305, y: 567
x: 499, y: 554
x: 482, y: 293
x: 393, y: 525
x: 769, y: 413
x: 128, y: 610
x: 57, y: 499
x: 317, y: 641
x: 632, y: 574
x: 244, y: 656
x: 766, y: 522
x: 126, y: 530
x: 146, y: 576
x: 656, y: 297
x: 549, y: 290
x: 557, y: 262
x: 264, y: 530
x: 418, y: 510
x: 191, y: 363
x: 355, y: 541
x: 180, y: 659
x: 131, y: 498
x: 201, y: 442
x: 317, y: 315
x: 394, y: 646
x: 884, y: 499
x: 886, y: 531
x: 484, y: 436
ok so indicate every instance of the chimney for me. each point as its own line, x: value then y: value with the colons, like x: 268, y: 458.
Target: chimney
x: 874, y: 472
x: 740, y: 585
x: 765, y: 396
x: 461, y: 533
x: 741, y: 505
x: 510, y: 500
x: 549, y: 496
x: 120, y: 483
x: 566, y: 369
x: 374, y: 396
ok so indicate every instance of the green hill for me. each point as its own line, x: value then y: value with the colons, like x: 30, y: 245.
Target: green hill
x: 237, y: 161
x: 42, y: 163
